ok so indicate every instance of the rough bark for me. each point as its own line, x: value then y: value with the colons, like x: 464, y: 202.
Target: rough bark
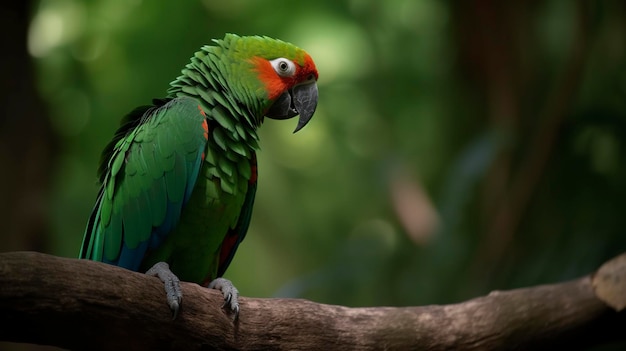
x: 84, y: 305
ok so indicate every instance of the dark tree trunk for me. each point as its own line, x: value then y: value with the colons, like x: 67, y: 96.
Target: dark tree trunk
x: 28, y: 145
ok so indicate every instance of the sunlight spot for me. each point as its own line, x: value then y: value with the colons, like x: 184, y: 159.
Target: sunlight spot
x: 45, y: 33
x: 56, y: 24
x: 339, y: 48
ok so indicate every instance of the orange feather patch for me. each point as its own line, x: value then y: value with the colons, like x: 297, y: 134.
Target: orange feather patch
x: 275, y: 84
x: 205, y: 126
x: 201, y: 110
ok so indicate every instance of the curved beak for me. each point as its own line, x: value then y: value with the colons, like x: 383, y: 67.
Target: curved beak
x: 300, y: 100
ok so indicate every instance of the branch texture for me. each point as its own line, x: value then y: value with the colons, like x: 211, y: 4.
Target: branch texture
x: 85, y: 305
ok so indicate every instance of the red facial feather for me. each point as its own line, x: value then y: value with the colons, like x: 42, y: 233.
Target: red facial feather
x: 308, y: 68
x: 275, y: 84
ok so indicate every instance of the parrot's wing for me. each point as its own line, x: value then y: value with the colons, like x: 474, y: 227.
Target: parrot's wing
x: 148, y: 174
x: 236, y: 235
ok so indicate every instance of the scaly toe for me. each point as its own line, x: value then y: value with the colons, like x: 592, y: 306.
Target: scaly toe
x: 231, y: 294
x: 171, y: 284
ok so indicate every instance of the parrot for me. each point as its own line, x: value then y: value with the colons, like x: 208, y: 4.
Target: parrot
x: 178, y: 180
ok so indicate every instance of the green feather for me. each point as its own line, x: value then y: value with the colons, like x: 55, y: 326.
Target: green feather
x: 118, y: 162
x: 149, y: 158
x: 112, y: 236
x: 212, y: 191
x: 133, y: 223
x: 157, y: 193
x: 225, y: 120
x: 241, y: 132
x: 175, y: 180
x: 106, y: 205
x: 243, y: 166
x: 196, y: 76
x: 227, y: 187
x: 226, y: 167
x: 220, y: 139
x: 207, y: 97
x: 212, y: 172
x: 240, y: 149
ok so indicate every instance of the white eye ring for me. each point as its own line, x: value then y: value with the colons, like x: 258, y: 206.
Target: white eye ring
x: 284, y: 67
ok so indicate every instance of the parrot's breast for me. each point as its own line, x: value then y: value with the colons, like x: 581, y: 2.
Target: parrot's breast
x: 192, y: 249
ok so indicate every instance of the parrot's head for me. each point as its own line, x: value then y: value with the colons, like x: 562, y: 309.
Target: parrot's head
x: 280, y: 78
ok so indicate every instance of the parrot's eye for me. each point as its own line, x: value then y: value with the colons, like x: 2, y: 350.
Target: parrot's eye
x: 284, y: 67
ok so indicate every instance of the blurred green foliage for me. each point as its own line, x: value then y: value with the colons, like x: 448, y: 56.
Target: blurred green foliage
x: 456, y: 149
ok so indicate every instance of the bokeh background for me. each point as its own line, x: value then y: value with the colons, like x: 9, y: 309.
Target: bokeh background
x: 458, y: 146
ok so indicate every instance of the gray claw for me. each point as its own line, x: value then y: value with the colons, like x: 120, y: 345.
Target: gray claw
x: 231, y: 294
x: 171, y: 284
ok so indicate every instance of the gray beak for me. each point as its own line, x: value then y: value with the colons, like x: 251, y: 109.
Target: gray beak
x: 300, y: 100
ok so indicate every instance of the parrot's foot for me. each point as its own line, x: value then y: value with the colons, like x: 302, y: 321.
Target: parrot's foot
x: 172, y: 285
x: 231, y: 294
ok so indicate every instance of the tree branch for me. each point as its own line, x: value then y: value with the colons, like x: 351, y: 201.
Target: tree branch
x: 87, y: 305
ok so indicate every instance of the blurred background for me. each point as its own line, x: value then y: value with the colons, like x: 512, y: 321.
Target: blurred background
x: 458, y: 146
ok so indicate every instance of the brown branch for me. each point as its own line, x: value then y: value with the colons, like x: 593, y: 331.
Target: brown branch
x: 86, y: 305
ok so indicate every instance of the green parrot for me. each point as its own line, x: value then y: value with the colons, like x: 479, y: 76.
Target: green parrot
x: 179, y: 178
